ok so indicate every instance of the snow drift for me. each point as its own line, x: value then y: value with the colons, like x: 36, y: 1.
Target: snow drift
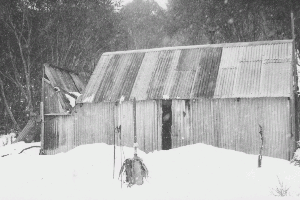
x: 192, y: 172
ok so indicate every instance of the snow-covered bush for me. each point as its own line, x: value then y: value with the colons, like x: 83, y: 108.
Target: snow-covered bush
x: 282, y: 190
x: 7, y: 139
x: 296, y: 157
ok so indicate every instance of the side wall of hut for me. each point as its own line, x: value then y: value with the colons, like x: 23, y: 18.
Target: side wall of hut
x: 234, y: 124
x: 105, y: 123
x: 231, y: 123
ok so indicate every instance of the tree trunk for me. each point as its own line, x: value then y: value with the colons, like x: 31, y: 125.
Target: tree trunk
x: 7, y: 107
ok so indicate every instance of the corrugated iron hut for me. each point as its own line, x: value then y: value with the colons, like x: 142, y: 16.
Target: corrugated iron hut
x: 58, y: 85
x: 214, y: 94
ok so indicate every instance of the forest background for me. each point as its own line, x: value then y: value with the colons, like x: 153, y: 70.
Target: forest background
x: 72, y: 34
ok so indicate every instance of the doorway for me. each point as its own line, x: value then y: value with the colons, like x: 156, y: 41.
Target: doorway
x: 166, y: 124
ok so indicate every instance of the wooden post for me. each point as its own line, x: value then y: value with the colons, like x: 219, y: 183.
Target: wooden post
x: 134, y: 127
x: 42, y: 110
x: 294, y: 97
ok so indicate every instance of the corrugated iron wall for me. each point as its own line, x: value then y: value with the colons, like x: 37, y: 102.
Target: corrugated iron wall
x: 202, y: 118
x: 96, y: 123
x: 181, y: 123
x: 226, y: 123
x: 234, y: 124
x: 59, y: 134
x: 149, y: 117
x: 237, y: 125
x: 53, y: 100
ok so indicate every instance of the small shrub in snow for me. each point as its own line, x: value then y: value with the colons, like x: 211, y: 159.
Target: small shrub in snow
x: 282, y: 190
x: 296, y: 157
x: 7, y: 139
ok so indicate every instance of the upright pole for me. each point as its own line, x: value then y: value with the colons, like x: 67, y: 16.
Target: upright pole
x: 134, y: 127
x: 295, y: 79
x: 293, y: 24
x: 42, y: 110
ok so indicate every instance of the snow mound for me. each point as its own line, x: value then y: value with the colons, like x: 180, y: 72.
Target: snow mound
x: 20, y: 148
x: 192, y: 172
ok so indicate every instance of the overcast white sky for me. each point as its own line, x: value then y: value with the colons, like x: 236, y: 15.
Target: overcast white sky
x: 162, y: 3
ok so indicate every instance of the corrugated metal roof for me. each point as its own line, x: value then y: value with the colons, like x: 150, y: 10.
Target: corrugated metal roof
x: 64, y: 79
x: 212, y: 71
x: 255, y: 71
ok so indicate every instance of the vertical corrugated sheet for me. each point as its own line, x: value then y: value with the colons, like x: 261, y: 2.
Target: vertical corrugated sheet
x: 227, y: 71
x: 80, y: 84
x: 181, y: 123
x: 119, y: 77
x: 237, y: 125
x: 148, y: 129
x: 170, y: 76
x: 142, y: 82
x: 276, y: 79
x: 94, y: 123
x: 94, y: 83
x: 247, y: 81
x: 255, y: 71
x: 61, y: 79
x: 202, y: 120
x: 207, y: 72
x: 53, y: 100
x: 124, y: 117
x: 226, y: 123
x: 160, y: 76
x: 59, y: 134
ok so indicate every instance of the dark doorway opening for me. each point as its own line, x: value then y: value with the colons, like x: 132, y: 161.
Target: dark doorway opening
x: 166, y: 124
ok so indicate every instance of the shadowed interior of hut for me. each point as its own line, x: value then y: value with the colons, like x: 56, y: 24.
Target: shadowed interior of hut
x: 166, y: 124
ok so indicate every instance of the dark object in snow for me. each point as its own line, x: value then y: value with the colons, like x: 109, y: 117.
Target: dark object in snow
x: 296, y: 158
x: 134, y: 168
x: 22, y: 150
x: 118, y: 129
x: 135, y: 171
x: 29, y: 148
x: 42, y: 152
x: 261, y: 147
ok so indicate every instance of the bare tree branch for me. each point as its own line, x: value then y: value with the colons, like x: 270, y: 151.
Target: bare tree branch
x: 7, y: 106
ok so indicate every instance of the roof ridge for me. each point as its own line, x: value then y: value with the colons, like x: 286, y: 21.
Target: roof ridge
x: 201, y: 46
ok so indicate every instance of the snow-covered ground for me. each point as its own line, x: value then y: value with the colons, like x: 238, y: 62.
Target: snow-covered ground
x: 192, y: 172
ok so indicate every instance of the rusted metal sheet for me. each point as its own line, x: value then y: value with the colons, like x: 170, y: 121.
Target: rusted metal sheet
x: 202, y: 120
x: 219, y: 71
x: 94, y: 83
x: 143, y: 79
x: 80, y: 84
x: 255, y: 71
x: 119, y: 77
x: 59, y: 132
x: 51, y: 143
x: 158, y: 84
x: 237, y: 125
x: 207, y: 72
x: 64, y: 79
